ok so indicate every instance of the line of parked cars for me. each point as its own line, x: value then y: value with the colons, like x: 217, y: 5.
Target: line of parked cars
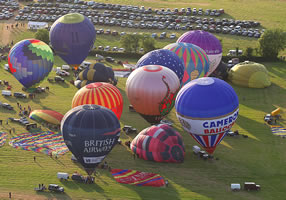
x: 132, y: 17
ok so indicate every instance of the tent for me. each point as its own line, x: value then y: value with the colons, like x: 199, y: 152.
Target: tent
x: 37, y: 25
x: 249, y: 74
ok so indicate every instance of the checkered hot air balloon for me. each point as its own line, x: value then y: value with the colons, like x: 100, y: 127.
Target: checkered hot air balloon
x: 160, y: 143
x: 195, y: 60
x: 100, y: 93
x: 30, y: 61
x: 207, y: 108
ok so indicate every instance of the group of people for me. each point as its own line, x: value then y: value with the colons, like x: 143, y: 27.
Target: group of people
x: 15, y: 25
x: 24, y: 111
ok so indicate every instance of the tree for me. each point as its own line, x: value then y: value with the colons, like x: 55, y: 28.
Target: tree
x: 130, y: 42
x: 43, y: 35
x: 271, y: 43
x: 249, y: 52
x: 148, y: 44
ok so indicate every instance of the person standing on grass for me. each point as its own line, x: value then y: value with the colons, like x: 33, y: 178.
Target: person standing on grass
x: 34, y: 158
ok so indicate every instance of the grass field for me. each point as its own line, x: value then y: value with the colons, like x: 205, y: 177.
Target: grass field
x: 260, y: 157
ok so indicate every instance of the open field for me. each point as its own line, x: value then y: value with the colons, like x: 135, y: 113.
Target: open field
x: 260, y: 157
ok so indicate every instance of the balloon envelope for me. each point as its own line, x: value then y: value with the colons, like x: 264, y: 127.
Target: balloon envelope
x: 152, y: 90
x: 195, y: 60
x: 30, y: 61
x: 160, y: 143
x: 72, y: 36
x: 208, y: 42
x: 49, y: 116
x: 163, y: 57
x: 90, y: 132
x: 207, y: 108
x: 103, y: 94
x: 250, y: 74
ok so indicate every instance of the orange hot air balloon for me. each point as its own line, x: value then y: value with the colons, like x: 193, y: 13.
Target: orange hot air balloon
x: 100, y: 93
x: 152, y: 90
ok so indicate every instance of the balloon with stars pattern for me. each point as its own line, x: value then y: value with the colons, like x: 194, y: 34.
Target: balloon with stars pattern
x: 163, y: 57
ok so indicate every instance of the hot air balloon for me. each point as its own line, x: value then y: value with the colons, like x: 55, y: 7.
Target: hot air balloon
x: 249, y: 74
x: 98, y: 73
x: 208, y: 42
x: 207, y: 108
x: 48, y: 116
x: 195, y: 60
x: 30, y: 61
x: 152, y: 90
x: 90, y: 132
x: 160, y: 143
x: 165, y: 58
x: 72, y: 36
x: 103, y: 94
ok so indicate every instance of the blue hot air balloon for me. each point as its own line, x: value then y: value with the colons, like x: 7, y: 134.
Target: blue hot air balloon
x: 90, y: 132
x: 207, y: 108
x: 72, y: 37
x: 163, y: 57
x: 30, y: 61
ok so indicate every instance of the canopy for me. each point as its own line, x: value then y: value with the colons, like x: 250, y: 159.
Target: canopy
x: 48, y: 116
x: 138, y: 178
x: 250, y: 74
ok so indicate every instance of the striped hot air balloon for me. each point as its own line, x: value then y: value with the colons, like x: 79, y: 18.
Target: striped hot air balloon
x: 100, y: 93
x: 49, y: 116
x: 30, y: 61
x: 194, y: 58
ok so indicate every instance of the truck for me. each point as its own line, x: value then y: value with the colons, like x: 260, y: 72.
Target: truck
x: 55, y: 188
x: 6, y: 93
x: 251, y: 186
x: 271, y: 118
x: 63, y: 176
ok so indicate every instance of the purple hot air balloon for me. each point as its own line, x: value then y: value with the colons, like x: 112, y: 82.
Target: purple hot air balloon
x: 163, y: 57
x: 72, y: 37
x: 208, y: 42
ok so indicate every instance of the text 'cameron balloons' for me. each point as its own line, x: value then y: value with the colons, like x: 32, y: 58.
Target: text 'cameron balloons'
x: 195, y: 60
x: 208, y: 42
x: 152, y: 90
x: 90, y: 132
x: 163, y: 57
x: 207, y: 108
x: 103, y: 94
x: 30, y: 61
x: 72, y: 36
x: 159, y: 143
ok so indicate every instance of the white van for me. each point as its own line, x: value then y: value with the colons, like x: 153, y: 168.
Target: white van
x: 85, y: 64
x: 6, y: 93
x: 63, y: 175
x: 6, y: 67
x: 235, y: 186
x: 65, y: 67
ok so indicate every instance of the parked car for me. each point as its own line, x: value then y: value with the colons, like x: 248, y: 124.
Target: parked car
x: 59, y: 79
x: 173, y: 36
x: 20, y: 95
x: 55, y: 188
x: 78, y: 177
x: 109, y: 59
x: 62, y: 73
x: 7, y: 106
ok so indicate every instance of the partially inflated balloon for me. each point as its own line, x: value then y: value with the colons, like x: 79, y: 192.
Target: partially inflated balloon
x: 72, y: 37
x: 207, y: 108
x: 208, y: 42
x: 165, y: 58
x: 90, y: 132
x: 152, y: 90
x: 194, y: 58
x: 30, y: 61
x: 103, y: 94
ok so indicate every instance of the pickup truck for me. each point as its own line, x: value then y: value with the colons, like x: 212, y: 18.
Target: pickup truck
x: 55, y: 188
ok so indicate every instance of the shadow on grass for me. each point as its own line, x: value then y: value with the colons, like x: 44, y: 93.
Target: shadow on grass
x: 53, y: 195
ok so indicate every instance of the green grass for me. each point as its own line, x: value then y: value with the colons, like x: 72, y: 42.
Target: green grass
x: 259, y: 158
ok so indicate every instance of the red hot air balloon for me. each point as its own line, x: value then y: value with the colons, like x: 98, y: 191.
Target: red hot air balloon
x: 152, y: 90
x: 100, y: 93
